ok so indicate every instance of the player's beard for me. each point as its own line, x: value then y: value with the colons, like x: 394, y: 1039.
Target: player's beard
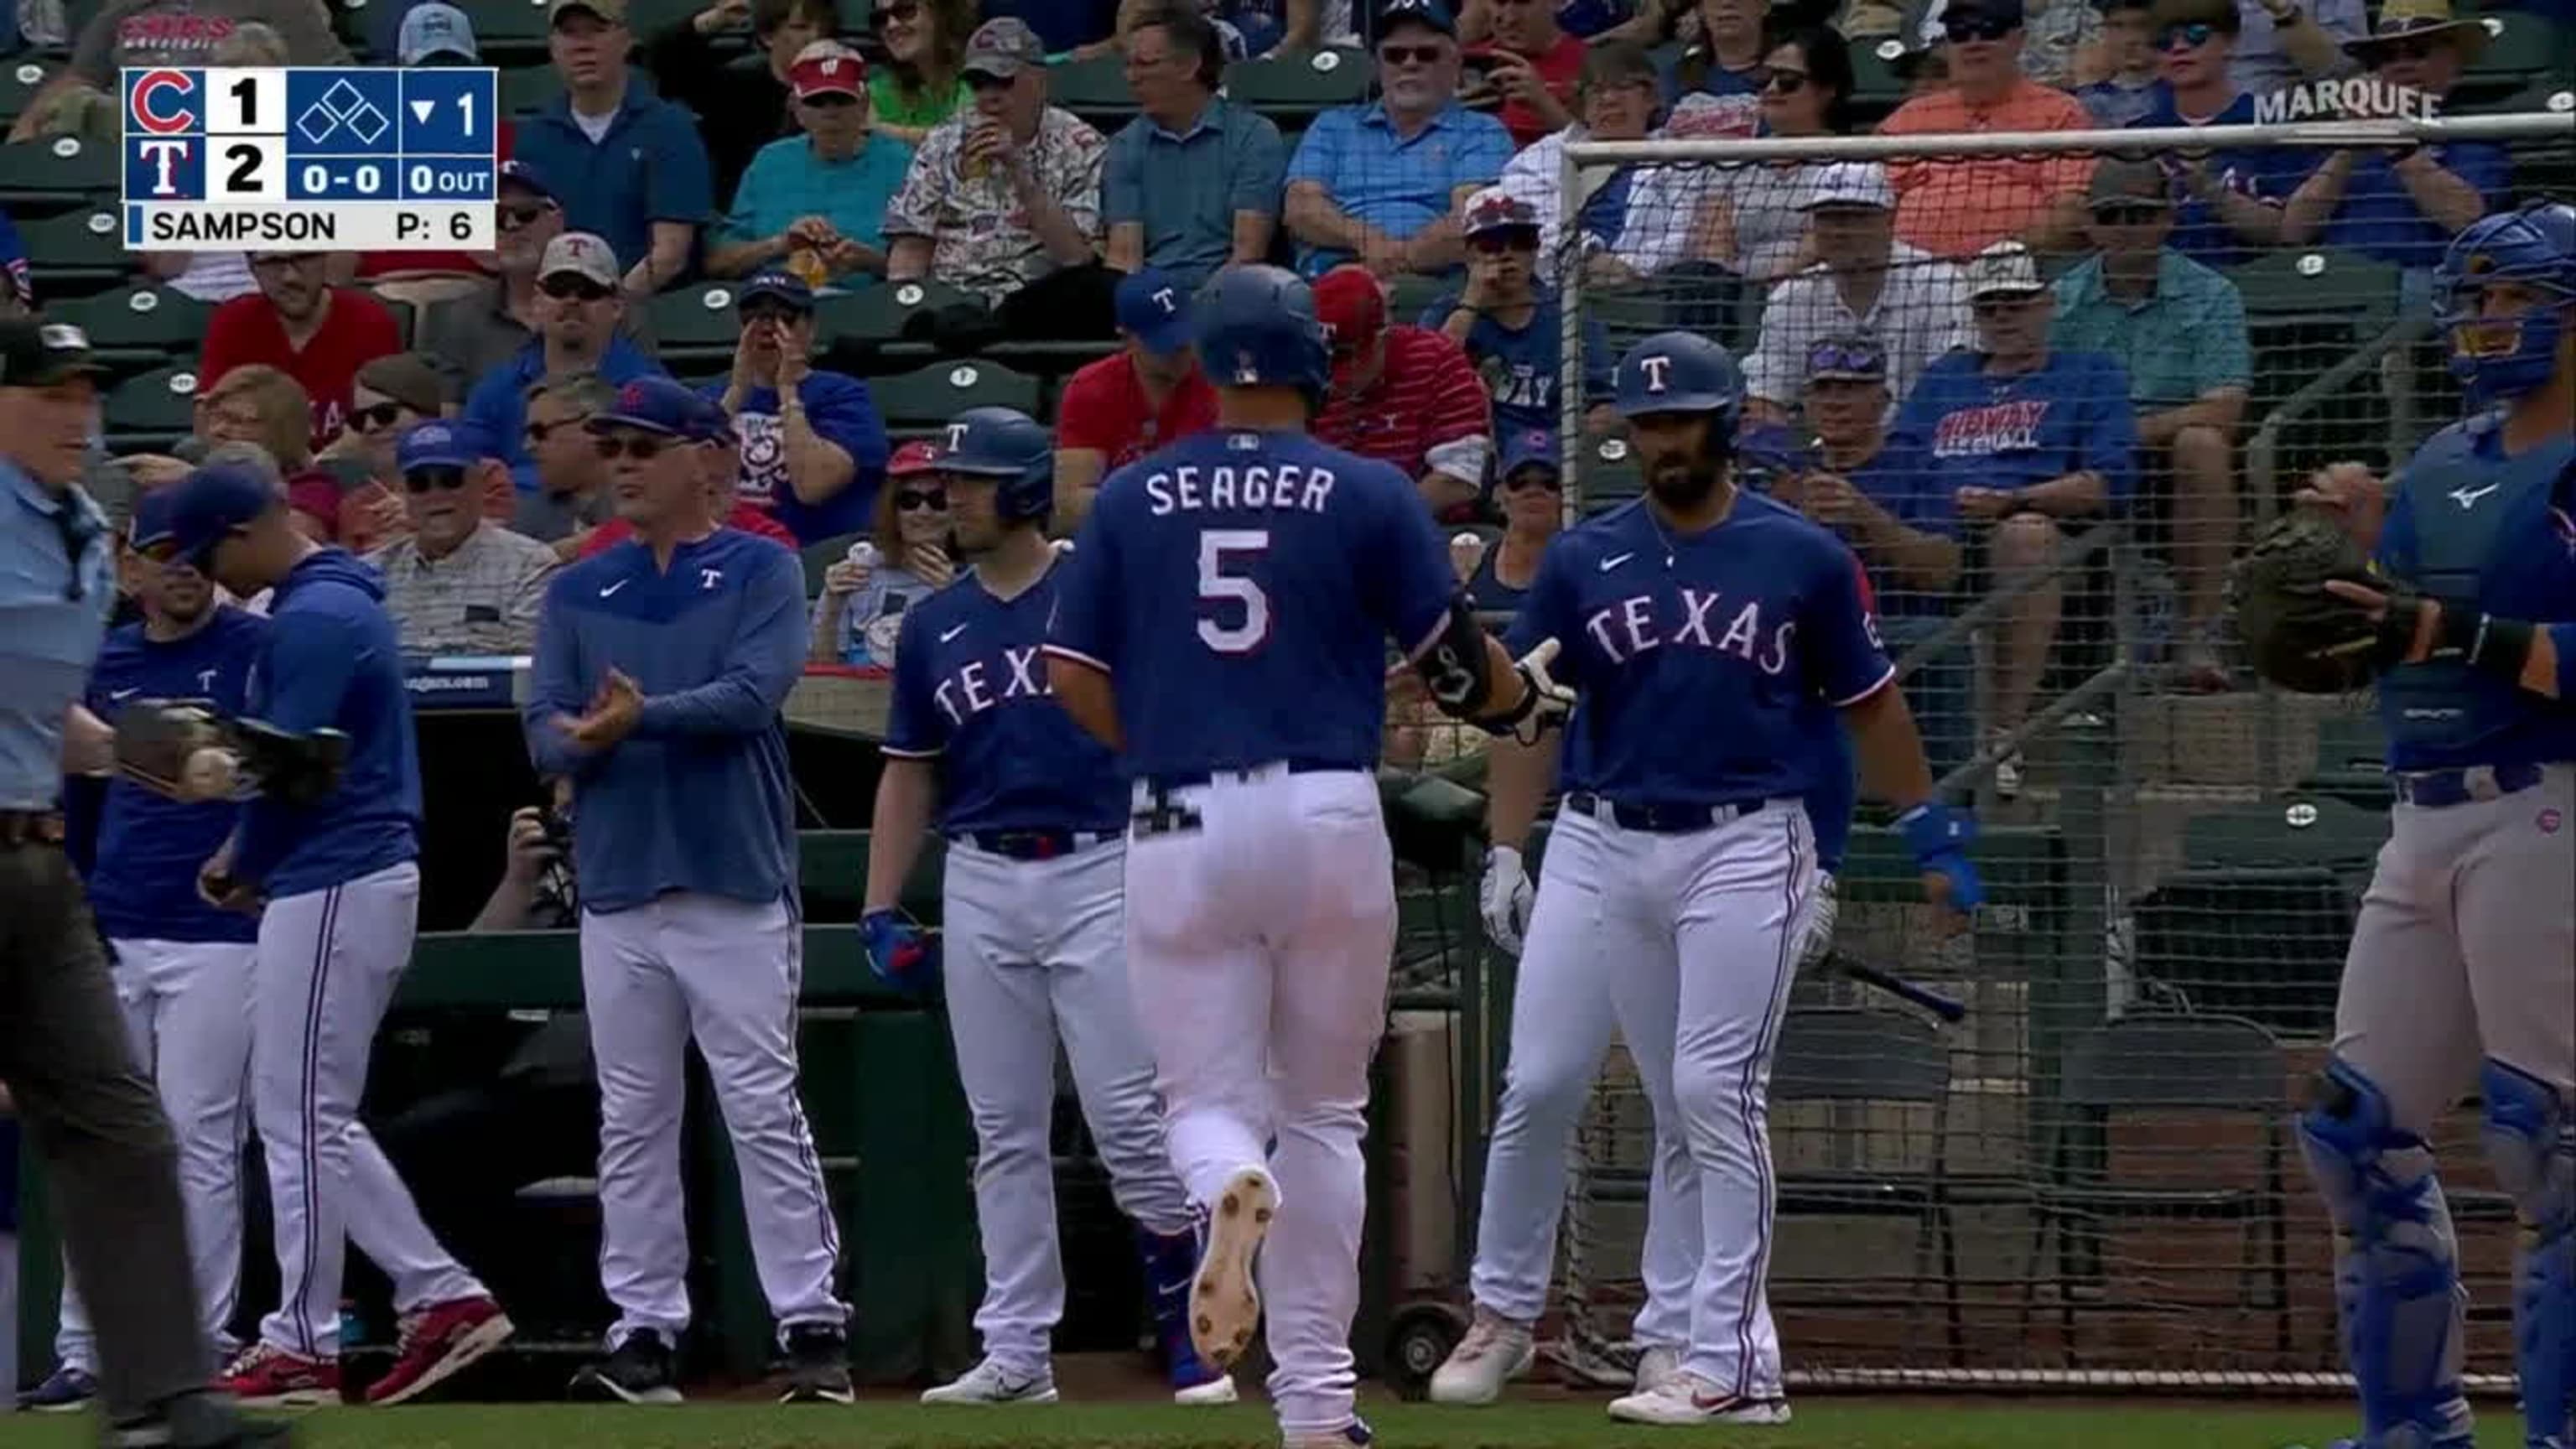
x: 1688, y: 486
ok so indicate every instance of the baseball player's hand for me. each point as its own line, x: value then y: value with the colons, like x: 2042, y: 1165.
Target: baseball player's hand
x: 903, y: 955
x: 217, y: 888
x: 1505, y: 898
x: 1939, y: 838
x: 611, y: 717
x: 1549, y: 699
x: 2354, y: 495
x: 1818, y: 938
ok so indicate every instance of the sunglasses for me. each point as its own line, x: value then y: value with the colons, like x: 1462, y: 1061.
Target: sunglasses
x: 564, y: 287
x: 374, y: 416
x: 2008, y: 305
x: 1504, y: 242
x: 2185, y: 37
x: 1829, y: 357
x: 539, y: 432
x: 2386, y: 50
x: 2128, y: 213
x: 1977, y: 28
x: 829, y: 101
x: 642, y: 447
x: 913, y: 500
x: 904, y: 13
x: 441, y: 480
x: 772, y: 312
x: 1527, y: 476
x: 1409, y: 54
x: 1785, y: 82
x: 522, y: 214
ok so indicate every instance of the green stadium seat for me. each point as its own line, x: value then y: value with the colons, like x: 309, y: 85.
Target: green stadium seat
x: 526, y: 90
x: 919, y: 402
x: 2521, y: 47
x: 878, y: 313
x: 2352, y: 762
x: 148, y: 413
x: 18, y: 86
x: 1877, y: 85
x: 2307, y: 309
x: 1297, y: 87
x: 1094, y: 89
x: 506, y: 28
x: 139, y: 327
x: 697, y: 323
x: 1607, y: 475
x: 76, y: 252
x: 57, y: 173
x: 832, y: 866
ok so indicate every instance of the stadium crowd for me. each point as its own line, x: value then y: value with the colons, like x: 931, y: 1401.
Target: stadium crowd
x: 1959, y: 364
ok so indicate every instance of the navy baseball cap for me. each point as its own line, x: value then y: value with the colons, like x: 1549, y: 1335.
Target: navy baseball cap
x: 526, y: 177
x: 777, y: 286
x: 1155, y: 310
x: 150, y: 526
x: 208, y: 505
x: 441, y: 443
x: 665, y: 406
x: 1528, y: 446
x: 1429, y: 13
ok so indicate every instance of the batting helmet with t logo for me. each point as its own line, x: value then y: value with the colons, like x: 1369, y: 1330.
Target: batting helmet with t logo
x: 1008, y: 445
x: 1680, y: 372
x: 1257, y: 328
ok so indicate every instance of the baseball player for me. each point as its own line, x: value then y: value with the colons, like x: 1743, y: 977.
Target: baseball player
x: 2463, y: 960
x: 660, y: 669
x: 182, y: 968
x: 1561, y: 1028
x: 1682, y: 862
x: 341, y: 883
x: 1222, y: 625
x: 1035, y: 816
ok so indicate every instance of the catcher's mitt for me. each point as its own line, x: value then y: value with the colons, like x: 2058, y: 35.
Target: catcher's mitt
x: 175, y: 747
x: 2297, y: 634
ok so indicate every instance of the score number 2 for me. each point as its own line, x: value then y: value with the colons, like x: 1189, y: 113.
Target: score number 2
x: 1232, y: 592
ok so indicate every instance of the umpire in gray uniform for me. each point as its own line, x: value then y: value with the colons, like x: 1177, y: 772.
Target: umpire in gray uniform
x: 63, y: 1052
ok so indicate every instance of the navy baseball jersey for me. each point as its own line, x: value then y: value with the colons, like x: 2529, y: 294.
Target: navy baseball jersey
x: 1240, y: 587
x: 1524, y: 368
x: 2470, y: 525
x: 1981, y: 430
x: 1699, y: 677
x: 144, y: 884
x: 2267, y: 174
x: 970, y: 690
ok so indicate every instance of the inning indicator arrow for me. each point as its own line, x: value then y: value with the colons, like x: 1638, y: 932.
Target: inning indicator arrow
x: 420, y: 110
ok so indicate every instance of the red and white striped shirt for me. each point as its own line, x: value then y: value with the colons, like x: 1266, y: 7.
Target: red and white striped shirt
x: 1426, y: 395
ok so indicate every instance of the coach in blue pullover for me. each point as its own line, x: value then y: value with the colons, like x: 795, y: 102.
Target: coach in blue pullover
x: 660, y: 670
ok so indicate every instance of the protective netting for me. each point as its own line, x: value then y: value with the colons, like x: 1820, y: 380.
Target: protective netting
x: 2093, y: 1178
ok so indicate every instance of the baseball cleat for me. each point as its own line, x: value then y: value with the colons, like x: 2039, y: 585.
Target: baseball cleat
x: 439, y: 1342
x: 1354, y: 1435
x: 1657, y: 1367
x: 818, y: 1366
x: 637, y: 1371
x: 1217, y: 1390
x: 990, y: 1383
x: 1225, y: 1304
x: 1494, y: 1352
x: 1686, y: 1398
x: 67, y: 1390
x: 201, y: 1420
x: 267, y: 1377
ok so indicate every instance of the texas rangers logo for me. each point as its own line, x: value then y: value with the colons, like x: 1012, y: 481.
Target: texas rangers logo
x: 956, y: 436
x: 157, y: 104
x: 1656, y: 369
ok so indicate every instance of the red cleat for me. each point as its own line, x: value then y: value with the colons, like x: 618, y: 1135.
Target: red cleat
x: 264, y: 1377
x: 437, y: 1343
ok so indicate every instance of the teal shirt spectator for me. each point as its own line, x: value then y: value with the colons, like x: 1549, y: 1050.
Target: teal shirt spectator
x: 1231, y: 161
x: 57, y: 583
x: 2180, y: 344
x: 788, y: 181
x: 648, y: 166
x: 1396, y: 184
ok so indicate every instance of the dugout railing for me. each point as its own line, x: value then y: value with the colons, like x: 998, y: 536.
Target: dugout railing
x: 2171, y: 860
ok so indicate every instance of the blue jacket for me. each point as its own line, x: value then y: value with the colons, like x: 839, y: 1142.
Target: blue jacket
x: 333, y: 661
x: 499, y: 400
x: 696, y: 798
x: 649, y: 166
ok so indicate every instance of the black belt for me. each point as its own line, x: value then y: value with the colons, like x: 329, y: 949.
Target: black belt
x: 30, y: 827
x: 1660, y: 819
x: 1033, y: 844
x: 2439, y: 789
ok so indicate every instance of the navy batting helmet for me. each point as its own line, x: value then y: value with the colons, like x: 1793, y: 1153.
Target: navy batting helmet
x: 1680, y: 372
x: 1008, y: 445
x: 1257, y: 328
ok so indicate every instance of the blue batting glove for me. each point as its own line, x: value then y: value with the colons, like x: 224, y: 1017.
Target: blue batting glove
x: 903, y: 955
x: 1939, y: 838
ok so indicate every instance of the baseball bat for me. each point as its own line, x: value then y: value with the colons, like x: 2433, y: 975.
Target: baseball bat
x: 1949, y: 1009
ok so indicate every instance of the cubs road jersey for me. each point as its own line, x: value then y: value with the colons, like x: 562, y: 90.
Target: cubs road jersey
x: 970, y: 690
x: 1700, y: 680
x: 2473, y: 527
x: 1240, y: 588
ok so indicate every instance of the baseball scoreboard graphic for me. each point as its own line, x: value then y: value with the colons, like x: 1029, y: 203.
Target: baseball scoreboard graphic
x: 309, y: 159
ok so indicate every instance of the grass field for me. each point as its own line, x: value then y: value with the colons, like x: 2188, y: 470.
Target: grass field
x: 1822, y: 1423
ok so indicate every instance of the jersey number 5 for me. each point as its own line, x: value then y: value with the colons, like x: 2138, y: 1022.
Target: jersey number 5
x: 1222, y: 592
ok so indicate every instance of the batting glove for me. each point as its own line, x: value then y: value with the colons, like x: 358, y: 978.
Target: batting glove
x: 1549, y: 701
x: 1939, y: 838
x: 1504, y: 900
x: 903, y: 955
x: 1818, y: 936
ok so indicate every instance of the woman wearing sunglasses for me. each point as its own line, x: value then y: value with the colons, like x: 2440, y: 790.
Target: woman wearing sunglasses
x: 388, y: 395
x: 898, y: 565
x: 1757, y: 221
x: 919, y: 86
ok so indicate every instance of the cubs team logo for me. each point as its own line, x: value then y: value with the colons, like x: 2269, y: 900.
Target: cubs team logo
x: 158, y: 104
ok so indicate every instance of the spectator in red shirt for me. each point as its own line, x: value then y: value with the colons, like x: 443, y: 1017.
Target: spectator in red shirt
x: 1403, y: 395
x: 1122, y: 407
x: 720, y: 454
x: 313, y: 332
x: 1531, y: 65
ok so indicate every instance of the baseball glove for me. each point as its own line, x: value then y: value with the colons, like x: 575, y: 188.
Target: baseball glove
x: 2298, y: 634
x: 183, y: 749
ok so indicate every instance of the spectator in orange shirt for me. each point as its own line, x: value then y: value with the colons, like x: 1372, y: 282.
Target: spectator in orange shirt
x: 1957, y: 206
x: 1403, y: 395
x: 1150, y: 393
x: 1530, y: 65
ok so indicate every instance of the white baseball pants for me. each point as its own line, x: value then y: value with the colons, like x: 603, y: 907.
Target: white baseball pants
x: 1698, y: 934
x: 723, y: 973
x: 328, y: 964
x: 187, y: 1008
x: 1035, y: 950
x: 1258, y: 942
